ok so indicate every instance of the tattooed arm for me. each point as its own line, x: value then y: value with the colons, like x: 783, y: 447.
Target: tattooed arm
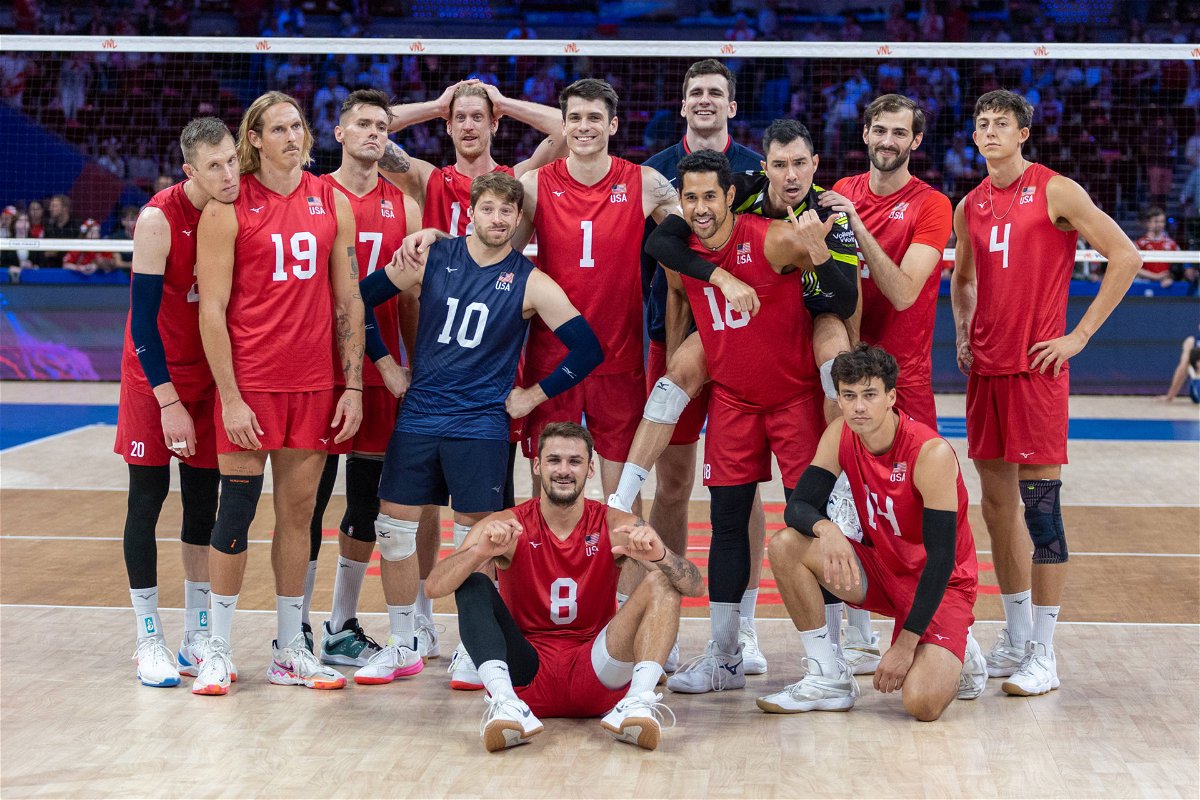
x: 410, y: 174
x: 659, y: 198
x: 348, y: 320
x: 637, y: 540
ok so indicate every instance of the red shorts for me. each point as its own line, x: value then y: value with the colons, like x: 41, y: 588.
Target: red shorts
x: 691, y: 421
x: 379, y: 420
x: 892, y: 596
x: 739, y: 443
x: 612, y: 405
x: 296, y: 420
x: 917, y: 402
x: 140, y: 434
x: 566, y: 684
x: 1021, y: 418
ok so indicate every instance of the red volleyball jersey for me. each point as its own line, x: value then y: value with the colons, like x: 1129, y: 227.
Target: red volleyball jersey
x: 590, y: 243
x: 565, y: 590
x: 759, y: 362
x: 447, y: 199
x: 915, y: 214
x: 891, y: 509
x: 1161, y: 243
x: 280, y: 312
x: 1023, y: 265
x: 179, y: 313
x: 380, y: 225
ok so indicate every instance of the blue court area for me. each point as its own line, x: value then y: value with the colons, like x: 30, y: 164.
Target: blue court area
x: 26, y: 422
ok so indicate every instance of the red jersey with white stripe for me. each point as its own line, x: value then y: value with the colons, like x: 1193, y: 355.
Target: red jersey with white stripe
x: 381, y: 226
x: 565, y: 590
x: 891, y: 509
x: 1023, y: 265
x: 915, y: 214
x: 590, y: 243
x: 179, y: 313
x: 760, y: 362
x: 447, y: 199
x: 280, y: 312
x: 1161, y: 243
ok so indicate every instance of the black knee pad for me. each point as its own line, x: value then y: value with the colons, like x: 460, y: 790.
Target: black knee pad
x: 239, y: 502
x: 1043, y: 517
x: 362, y: 497
x: 148, y: 488
x: 729, y: 554
x: 324, y: 491
x: 199, y: 488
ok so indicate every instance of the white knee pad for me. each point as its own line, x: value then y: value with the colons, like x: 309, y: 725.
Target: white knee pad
x: 460, y: 534
x: 609, y: 671
x: 666, y: 402
x: 397, y: 539
x: 827, y: 380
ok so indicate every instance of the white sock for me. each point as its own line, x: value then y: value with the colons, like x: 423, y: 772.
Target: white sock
x: 459, y: 533
x: 1018, y: 617
x: 347, y: 585
x: 403, y: 622
x: 725, y: 623
x: 645, y: 678
x: 860, y: 619
x: 1044, y: 619
x: 289, y: 612
x: 632, y: 478
x: 223, y: 606
x: 819, y: 648
x: 424, y: 604
x: 195, y: 601
x: 145, y: 609
x: 310, y: 580
x: 495, y: 677
x: 833, y: 623
x: 746, y: 607
x: 621, y: 599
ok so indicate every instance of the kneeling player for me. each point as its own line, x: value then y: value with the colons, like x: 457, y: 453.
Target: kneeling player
x: 915, y: 563
x: 553, y: 630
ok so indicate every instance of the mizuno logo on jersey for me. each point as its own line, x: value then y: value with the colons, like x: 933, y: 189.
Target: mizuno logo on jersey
x: 187, y: 233
x: 983, y: 205
x: 618, y: 194
x: 256, y: 210
x: 558, y: 194
x: 315, y: 207
x: 535, y: 545
x: 505, y: 282
x: 385, y: 207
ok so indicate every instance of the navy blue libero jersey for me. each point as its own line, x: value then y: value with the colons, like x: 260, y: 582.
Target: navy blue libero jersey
x: 654, y: 283
x: 469, y: 338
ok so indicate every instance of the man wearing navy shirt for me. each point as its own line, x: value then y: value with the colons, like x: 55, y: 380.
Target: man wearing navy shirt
x: 450, y: 445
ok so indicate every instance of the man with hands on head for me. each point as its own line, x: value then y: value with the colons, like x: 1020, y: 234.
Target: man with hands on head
x: 551, y: 642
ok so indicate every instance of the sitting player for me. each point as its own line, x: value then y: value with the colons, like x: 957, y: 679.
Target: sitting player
x: 551, y: 641
x: 915, y: 563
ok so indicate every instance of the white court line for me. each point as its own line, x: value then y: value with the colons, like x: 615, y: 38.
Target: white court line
x: 51, y: 437
x: 170, y: 540
x: 757, y: 621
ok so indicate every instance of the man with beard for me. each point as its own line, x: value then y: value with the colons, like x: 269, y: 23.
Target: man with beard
x: 450, y: 445
x: 901, y: 224
x: 551, y: 642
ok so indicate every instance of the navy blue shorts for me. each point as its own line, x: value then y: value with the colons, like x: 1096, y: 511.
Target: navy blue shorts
x: 430, y: 470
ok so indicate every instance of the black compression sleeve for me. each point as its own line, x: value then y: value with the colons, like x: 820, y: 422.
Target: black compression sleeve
x: 377, y: 288
x: 668, y: 245
x: 806, y: 506
x: 939, y: 531
x: 145, y: 298
x: 375, y: 347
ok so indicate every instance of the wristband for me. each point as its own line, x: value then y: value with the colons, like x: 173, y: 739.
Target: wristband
x: 353, y: 389
x: 168, y: 405
x: 664, y: 555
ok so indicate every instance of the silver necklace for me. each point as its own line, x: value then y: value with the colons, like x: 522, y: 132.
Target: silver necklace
x: 1016, y: 194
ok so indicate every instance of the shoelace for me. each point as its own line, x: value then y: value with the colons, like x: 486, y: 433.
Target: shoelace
x: 1029, y: 658
x: 385, y: 653
x: 654, y: 706
x: 151, y: 649
x: 496, y: 703
x: 460, y: 655
x: 431, y: 630
x: 304, y: 662
x: 217, y: 653
x: 361, y: 636
x: 813, y: 670
x: 702, y: 662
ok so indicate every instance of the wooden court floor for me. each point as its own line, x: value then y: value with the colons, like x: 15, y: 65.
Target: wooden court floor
x: 75, y: 723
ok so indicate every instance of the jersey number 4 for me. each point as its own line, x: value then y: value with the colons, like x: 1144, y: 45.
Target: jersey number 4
x: 997, y: 245
x: 304, y: 250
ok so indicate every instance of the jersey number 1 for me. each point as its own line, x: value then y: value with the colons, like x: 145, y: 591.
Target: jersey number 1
x: 587, y: 262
